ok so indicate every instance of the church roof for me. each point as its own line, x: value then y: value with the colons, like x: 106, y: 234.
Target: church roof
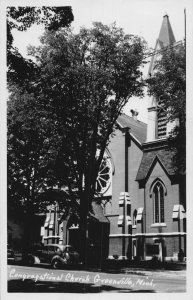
x: 164, y: 156
x: 137, y: 128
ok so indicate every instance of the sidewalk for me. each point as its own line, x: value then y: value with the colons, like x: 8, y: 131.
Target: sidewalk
x: 128, y: 267
x: 141, y: 267
x: 35, y: 279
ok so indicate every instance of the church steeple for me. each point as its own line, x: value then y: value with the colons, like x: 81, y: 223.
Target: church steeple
x: 157, y: 122
x: 166, y: 36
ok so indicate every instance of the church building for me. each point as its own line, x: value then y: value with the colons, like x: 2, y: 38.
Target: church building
x: 143, y: 203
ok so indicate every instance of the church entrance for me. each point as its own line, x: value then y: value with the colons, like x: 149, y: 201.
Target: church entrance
x: 161, y: 248
x: 73, y: 239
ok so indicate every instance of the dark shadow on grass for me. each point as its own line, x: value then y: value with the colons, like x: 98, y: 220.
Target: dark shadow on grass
x: 76, y: 267
x: 118, y: 266
x: 29, y: 286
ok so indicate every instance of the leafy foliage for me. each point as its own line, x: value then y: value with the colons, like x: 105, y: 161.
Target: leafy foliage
x: 53, y: 18
x: 21, y: 18
x: 88, y: 78
x: 33, y: 143
x: 69, y: 111
x: 168, y: 85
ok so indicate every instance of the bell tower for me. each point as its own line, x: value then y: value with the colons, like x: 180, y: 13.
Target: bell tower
x: 157, y: 118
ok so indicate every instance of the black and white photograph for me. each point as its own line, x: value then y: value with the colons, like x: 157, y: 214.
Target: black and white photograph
x: 94, y: 178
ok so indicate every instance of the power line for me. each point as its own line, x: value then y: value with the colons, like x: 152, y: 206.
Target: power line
x: 165, y: 49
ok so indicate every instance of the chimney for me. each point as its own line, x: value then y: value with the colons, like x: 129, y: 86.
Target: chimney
x: 134, y: 114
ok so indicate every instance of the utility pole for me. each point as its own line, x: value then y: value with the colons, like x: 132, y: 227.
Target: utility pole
x: 185, y: 32
x: 185, y: 26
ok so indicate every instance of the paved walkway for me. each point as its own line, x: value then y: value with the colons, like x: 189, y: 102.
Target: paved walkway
x: 35, y: 279
x: 172, y: 273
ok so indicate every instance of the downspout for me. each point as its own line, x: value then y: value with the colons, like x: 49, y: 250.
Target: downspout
x: 126, y: 161
x: 126, y: 129
x: 144, y: 222
x: 179, y: 230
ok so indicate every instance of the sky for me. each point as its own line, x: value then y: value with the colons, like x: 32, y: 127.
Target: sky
x: 138, y: 17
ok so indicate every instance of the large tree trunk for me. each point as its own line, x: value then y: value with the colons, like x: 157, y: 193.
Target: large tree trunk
x: 28, y: 226
x: 84, y: 209
x: 26, y: 242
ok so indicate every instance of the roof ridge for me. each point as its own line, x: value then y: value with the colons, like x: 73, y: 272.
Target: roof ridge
x: 149, y: 159
x: 133, y: 118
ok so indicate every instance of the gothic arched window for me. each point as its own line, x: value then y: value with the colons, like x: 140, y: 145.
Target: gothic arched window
x: 158, y: 203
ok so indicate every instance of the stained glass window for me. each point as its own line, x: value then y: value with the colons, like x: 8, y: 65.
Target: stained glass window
x: 158, y: 197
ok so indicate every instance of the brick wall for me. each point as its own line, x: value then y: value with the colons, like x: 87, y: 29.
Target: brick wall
x: 170, y: 199
x: 136, y: 195
x: 115, y: 245
x: 117, y: 150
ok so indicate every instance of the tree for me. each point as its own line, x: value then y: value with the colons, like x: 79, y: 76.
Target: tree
x: 30, y: 144
x: 21, y: 18
x: 33, y: 143
x: 87, y: 78
x: 168, y: 86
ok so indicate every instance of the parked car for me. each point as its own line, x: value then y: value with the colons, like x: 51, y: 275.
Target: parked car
x: 10, y: 255
x: 56, y: 255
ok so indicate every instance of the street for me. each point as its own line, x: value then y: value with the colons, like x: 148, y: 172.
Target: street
x: 44, y: 279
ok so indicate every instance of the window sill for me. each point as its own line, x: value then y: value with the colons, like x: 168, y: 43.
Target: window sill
x: 134, y: 226
x: 158, y: 225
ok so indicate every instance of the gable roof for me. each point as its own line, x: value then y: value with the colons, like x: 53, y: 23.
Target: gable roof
x: 164, y: 156
x: 138, y: 129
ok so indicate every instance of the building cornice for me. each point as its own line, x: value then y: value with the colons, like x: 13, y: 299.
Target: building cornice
x: 151, y: 234
x: 155, y: 145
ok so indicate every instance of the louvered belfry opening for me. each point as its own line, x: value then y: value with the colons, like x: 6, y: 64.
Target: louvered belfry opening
x: 161, y: 123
